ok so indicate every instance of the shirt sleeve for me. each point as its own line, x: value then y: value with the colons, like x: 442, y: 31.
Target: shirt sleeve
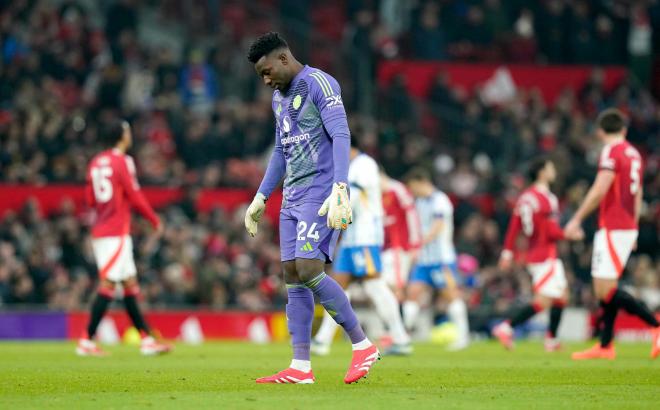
x: 276, y: 167
x: 326, y: 95
x: 607, y: 160
x: 128, y: 180
x: 512, y: 232
x: 442, y: 207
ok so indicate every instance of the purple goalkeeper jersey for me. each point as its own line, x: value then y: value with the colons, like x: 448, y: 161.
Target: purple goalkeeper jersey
x: 312, y: 139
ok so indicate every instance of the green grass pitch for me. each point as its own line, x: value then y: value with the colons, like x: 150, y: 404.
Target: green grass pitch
x: 221, y: 376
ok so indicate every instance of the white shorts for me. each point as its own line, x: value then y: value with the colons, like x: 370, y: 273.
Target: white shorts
x: 114, y: 257
x: 548, y: 278
x: 611, y: 252
x: 396, y: 267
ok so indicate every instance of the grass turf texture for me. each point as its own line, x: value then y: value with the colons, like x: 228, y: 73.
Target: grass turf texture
x: 221, y: 375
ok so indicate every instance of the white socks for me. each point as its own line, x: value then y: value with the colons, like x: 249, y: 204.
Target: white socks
x: 457, y: 313
x: 302, y: 365
x: 387, y: 307
x: 410, y: 313
x: 362, y: 345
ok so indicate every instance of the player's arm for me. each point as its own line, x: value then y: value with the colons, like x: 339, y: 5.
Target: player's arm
x: 326, y: 95
x: 555, y: 232
x: 275, y: 171
x: 597, y: 192
x: 134, y: 194
x: 441, y: 209
x: 436, y: 229
x: 512, y: 232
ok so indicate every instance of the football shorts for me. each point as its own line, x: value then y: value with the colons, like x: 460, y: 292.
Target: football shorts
x: 359, y: 261
x: 114, y: 257
x: 396, y: 267
x: 548, y: 278
x: 611, y: 251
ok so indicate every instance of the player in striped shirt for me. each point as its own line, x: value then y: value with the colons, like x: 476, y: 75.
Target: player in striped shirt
x: 359, y: 256
x: 436, y: 262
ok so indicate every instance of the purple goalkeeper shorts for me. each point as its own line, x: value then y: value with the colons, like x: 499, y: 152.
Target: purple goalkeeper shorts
x: 304, y: 234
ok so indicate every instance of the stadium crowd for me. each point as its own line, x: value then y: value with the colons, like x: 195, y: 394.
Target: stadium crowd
x: 201, y: 118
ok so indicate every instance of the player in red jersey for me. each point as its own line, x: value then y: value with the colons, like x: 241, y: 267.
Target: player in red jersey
x: 111, y: 190
x: 536, y: 216
x: 617, y: 191
x: 403, y: 234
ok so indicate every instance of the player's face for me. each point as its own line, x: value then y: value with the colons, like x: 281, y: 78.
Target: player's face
x: 272, y: 69
x: 415, y: 187
x: 550, y: 172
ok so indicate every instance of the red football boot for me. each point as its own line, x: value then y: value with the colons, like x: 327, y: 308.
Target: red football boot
x: 504, y: 333
x: 596, y: 352
x: 289, y: 376
x: 361, y: 363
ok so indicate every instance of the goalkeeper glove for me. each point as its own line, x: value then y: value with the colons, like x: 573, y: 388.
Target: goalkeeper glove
x: 254, y: 213
x: 338, y: 207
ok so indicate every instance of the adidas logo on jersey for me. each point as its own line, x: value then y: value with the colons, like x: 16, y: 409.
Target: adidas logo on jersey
x: 307, y: 247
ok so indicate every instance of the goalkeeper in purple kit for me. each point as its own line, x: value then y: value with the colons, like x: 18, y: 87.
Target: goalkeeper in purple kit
x: 312, y: 144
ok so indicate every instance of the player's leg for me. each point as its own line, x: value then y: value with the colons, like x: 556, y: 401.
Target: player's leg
x: 336, y: 303
x: 326, y: 333
x: 419, y: 286
x: 611, y: 252
x: 393, y: 273
x: 131, y: 295
x: 126, y: 273
x: 149, y: 346
x: 552, y: 343
x: 457, y: 313
x: 605, y: 271
x: 107, y: 253
x: 104, y: 296
x: 557, y: 290
x: 299, y: 309
x: 300, y: 314
x: 383, y: 299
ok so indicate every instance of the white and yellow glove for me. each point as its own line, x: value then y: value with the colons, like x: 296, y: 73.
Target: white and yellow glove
x: 254, y: 213
x: 338, y: 207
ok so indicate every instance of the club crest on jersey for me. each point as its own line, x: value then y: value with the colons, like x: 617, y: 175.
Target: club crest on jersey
x: 286, y: 124
x: 297, y: 100
x: 334, y: 101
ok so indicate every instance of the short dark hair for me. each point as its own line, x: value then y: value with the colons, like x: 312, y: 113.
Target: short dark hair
x: 264, y: 45
x: 418, y: 174
x: 536, y: 166
x: 113, y: 132
x: 612, y: 121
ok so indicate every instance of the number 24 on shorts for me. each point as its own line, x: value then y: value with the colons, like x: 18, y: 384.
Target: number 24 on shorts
x: 312, y: 233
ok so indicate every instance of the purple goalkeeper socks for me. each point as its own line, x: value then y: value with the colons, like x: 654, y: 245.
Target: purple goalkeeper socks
x: 299, y: 315
x: 334, y: 300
